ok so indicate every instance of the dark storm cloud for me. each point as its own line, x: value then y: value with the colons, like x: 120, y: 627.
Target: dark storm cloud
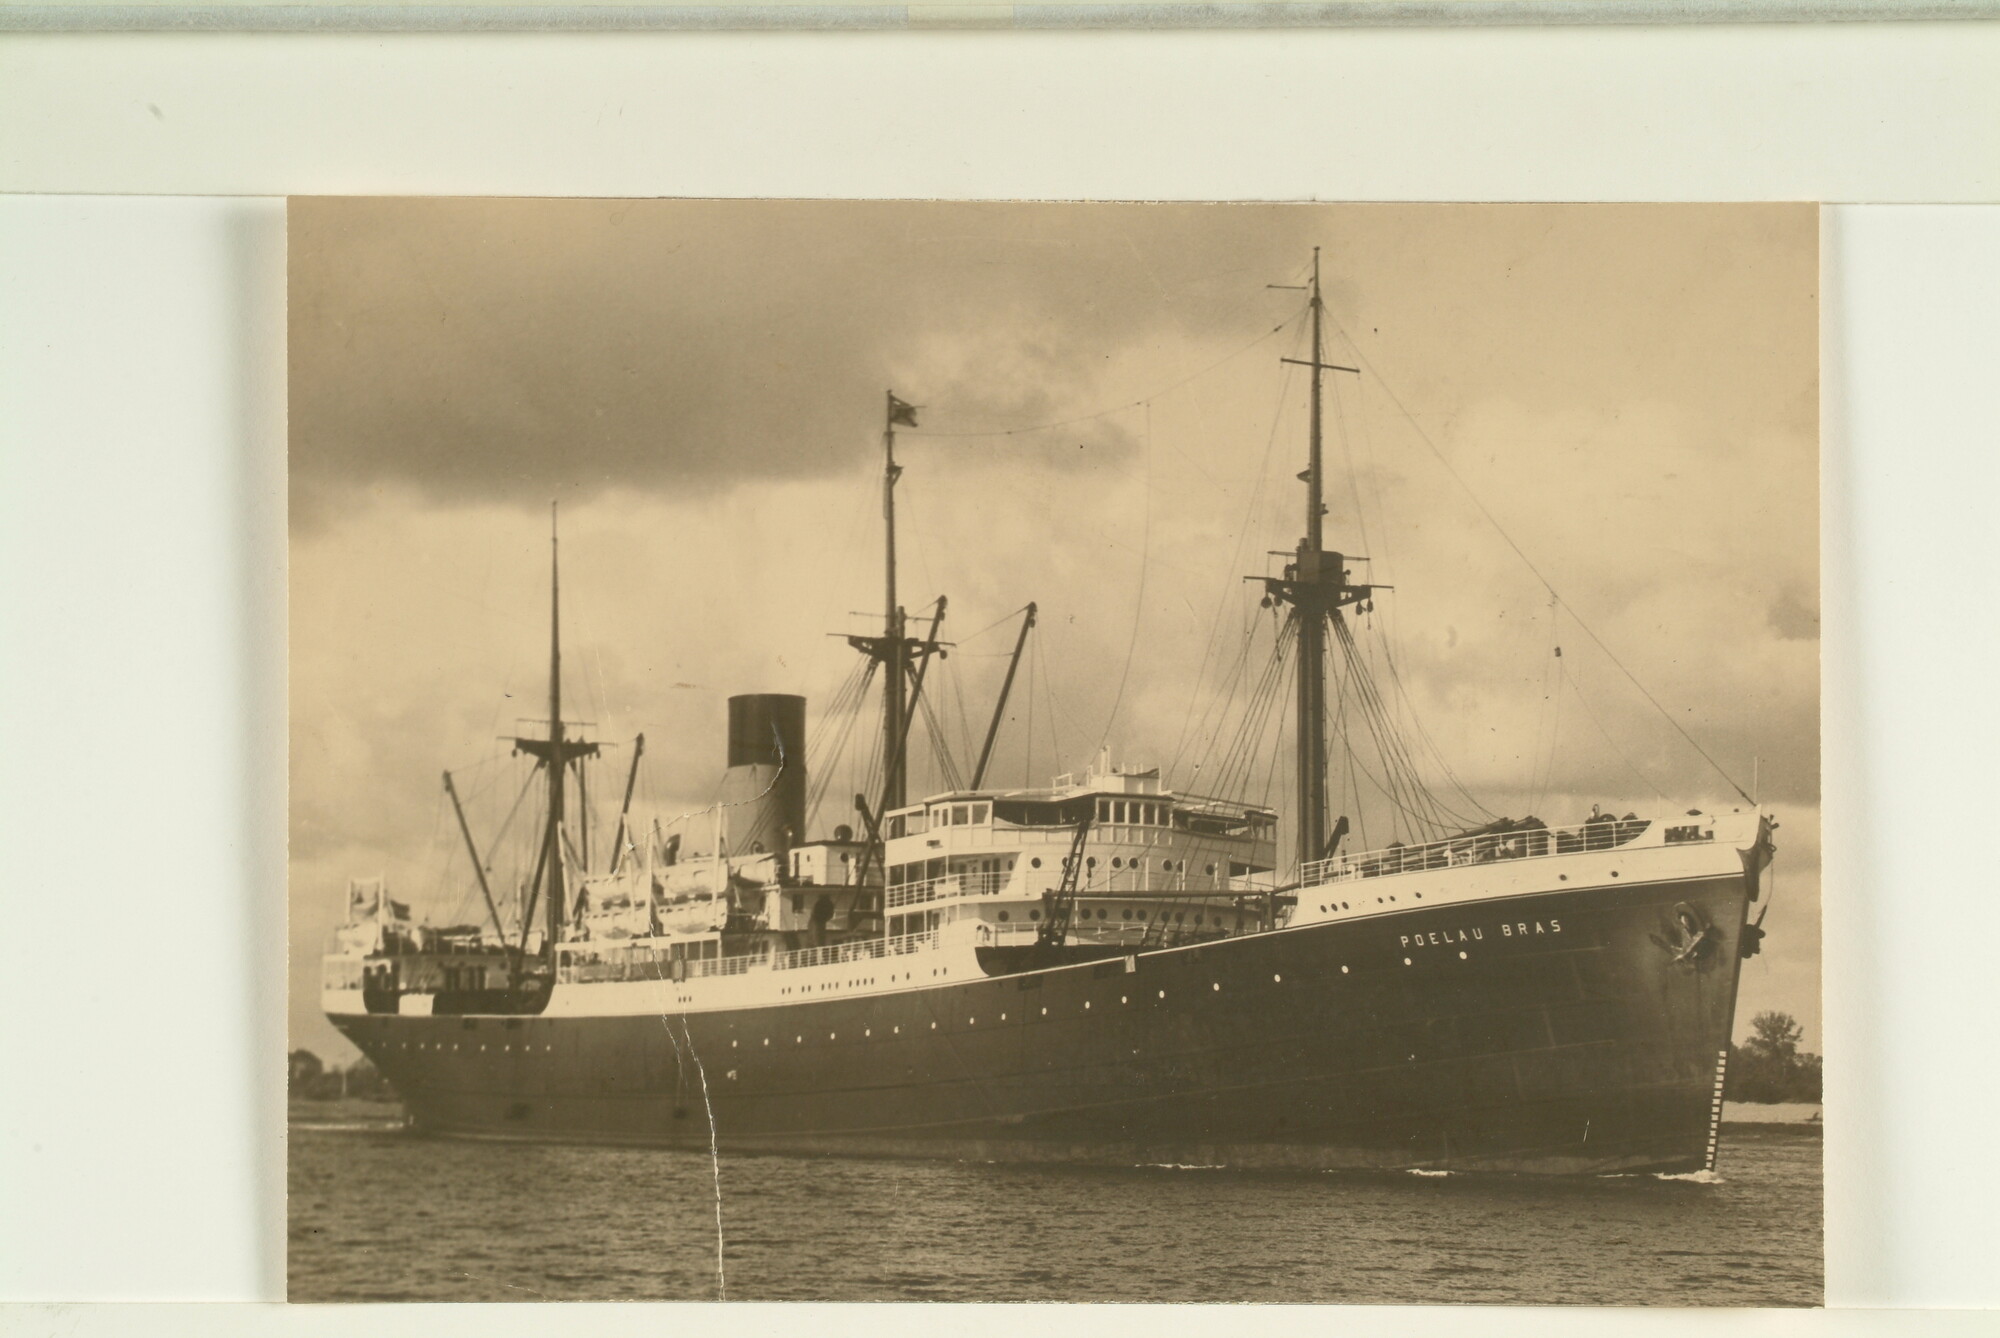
x: 513, y: 350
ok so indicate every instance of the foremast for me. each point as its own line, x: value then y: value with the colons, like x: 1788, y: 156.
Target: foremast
x: 556, y: 754
x: 1316, y: 585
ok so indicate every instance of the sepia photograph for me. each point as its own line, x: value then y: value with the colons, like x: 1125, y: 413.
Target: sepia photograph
x: 1058, y: 752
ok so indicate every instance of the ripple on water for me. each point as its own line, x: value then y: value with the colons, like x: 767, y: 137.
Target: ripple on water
x: 581, y: 1223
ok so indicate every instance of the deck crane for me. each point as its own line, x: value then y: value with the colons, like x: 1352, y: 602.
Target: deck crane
x: 1061, y: 903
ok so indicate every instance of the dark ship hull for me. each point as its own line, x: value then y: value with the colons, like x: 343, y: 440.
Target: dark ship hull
x: 1567, y: 1032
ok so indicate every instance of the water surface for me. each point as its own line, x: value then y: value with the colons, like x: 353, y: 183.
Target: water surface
x: 381, y: 1215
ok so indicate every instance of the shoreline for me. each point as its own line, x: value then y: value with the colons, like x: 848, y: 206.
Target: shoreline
x: 302, y: 1112
x: 1796, y: 1116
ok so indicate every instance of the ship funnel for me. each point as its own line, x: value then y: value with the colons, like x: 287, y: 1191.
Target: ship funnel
x: 765, y: 788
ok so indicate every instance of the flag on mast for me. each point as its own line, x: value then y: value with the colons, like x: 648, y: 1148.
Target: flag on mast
x: 900, y: 413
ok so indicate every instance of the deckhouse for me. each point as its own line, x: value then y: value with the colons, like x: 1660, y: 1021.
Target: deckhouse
x: 1156, y: 865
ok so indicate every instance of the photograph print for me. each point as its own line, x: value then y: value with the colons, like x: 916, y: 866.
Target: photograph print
x: 871, y: 751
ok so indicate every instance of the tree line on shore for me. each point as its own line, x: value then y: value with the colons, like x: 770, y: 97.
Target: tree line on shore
x: 1770, y: 1067
x: 310, y: 1078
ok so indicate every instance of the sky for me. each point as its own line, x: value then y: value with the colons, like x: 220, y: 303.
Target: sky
x: 1591, y: 428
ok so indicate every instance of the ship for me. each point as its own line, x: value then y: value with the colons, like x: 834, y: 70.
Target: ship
x: 1107, y: 969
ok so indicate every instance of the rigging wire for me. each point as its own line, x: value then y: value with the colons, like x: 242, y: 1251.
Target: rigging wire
x: 1028, y: 735
x: 1139, y: 598
x: 1385, y: 636
x: 940, y: 746
x: 846, y: 708
x: 1424, y: 738
x: 493, y: 846
x: 1398, y: 762
x: 1528, y: 562
x: 1630, y: 765
x: 954, y: 683
x: 1216, y: 704
x: 1552, y: 668
x: 1056, y: 706
x: 1261, y: 480
x: 970, y: 637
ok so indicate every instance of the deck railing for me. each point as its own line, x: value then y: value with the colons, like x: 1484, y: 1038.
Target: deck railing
x: 860, y: 950
x: 1531, y: 843
x: 983, y: 884
x: 651, y: 963
x: 646, y: 964
x: 727, y: 966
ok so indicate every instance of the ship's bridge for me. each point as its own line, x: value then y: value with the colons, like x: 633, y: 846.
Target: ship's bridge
x: 1150, y: 853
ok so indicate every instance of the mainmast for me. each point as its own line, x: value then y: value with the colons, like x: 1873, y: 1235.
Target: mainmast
x: 892, y: 649
x: 1315, y: 584
x: 895, y: 733
x: 558, y: 763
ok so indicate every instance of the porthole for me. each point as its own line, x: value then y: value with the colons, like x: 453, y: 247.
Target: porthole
x: 1461, y: 954
x: 1277, y: 980
x: 1217, y: 985
x: 1090, y: 862
x: 1163, y: 994
x: 1343, y: 970
x: 1211, y: 869
x: 1034, y: 915
x: 1003, y: 917
x: 1406, y: 961
x: 1035, y: 863
x: 1119, y: 864
x: 1125, y: 914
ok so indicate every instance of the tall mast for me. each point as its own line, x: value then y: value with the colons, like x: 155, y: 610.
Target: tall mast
x: 894, y: 735
x: 558, y: 902
x: 556, y: 752
x: 1311, y: 748
x: 1315, y: 585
